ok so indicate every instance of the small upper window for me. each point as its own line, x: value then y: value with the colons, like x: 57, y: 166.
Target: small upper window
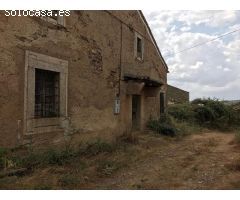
x: 139, y: 47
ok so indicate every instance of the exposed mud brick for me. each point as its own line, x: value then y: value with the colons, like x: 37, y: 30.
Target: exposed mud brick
x: 99, y: 49
x: 176, y: 95
x: 95, y: 56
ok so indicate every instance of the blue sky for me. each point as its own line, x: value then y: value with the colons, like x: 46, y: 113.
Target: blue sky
x: 210, y: 70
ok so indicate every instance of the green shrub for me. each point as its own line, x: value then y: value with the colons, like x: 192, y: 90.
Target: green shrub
x: 186, y: 128
x: 164, y: 125
x: 181, y: 112
x: 3, y: 157
x: 51, y: 156
x: 234, y: 117
x: 215, y: 114
x: 204, y: 114
x: 219, y: 108
x: 69, y: 180
x: 108, y: 167
x: 166, y: 119
x: 55, y: 157
x: 29, y: 161
x: 200, y: 101
x: 3, y: 152
x: 167, y: 129
x: 210, y: 113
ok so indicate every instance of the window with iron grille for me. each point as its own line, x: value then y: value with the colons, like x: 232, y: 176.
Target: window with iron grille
x: 46, y: 93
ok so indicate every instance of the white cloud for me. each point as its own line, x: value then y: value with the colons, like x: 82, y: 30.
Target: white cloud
x: 185, y: 28
x: 210, y: 70
x: 197, y: 65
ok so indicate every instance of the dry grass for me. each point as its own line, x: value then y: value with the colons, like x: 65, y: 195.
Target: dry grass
x: 234, y: 166
x: 237, y: 137
x: 204, y: 161
x: 212, y: 142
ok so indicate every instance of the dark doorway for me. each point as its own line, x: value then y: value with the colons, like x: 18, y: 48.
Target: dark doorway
x: 136, y: 110
x: 162, y: 103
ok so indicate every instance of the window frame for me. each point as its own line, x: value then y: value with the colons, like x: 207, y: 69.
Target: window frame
x: 47, y: 89
x: 59, y: 21
x: 35, y: 61
x: 138, y: 36
x: 162, y: 96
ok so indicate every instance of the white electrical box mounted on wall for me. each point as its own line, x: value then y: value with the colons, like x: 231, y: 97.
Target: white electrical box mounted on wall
x: 117, y: 106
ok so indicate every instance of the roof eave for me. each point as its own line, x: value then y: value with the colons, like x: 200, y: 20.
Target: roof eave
x: 155, y: 43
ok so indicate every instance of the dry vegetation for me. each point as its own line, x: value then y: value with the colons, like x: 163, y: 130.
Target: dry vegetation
x: 201, y: 161
x: 179, y: 153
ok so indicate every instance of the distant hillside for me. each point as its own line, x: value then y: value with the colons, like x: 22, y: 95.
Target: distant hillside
x: 231, y: 102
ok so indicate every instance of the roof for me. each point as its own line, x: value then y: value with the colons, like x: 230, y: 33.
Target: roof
x: 171, y: 86
x: 146, y: 79
x: 153, y: 39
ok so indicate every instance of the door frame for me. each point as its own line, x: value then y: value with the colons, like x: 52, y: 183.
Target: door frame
x: 162, y: 102
x: 137, y: 124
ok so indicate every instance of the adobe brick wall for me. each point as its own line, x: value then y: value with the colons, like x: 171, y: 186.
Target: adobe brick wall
x: 176, y: 95
x: 90, y: 43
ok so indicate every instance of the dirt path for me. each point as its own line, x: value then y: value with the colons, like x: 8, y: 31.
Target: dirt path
x: 198, y: 162
x: 205, y: 161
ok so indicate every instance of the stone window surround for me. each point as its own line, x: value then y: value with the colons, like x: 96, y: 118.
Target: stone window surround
x: 60, y: 20
x: 32, y: 61
x: 137, y: 35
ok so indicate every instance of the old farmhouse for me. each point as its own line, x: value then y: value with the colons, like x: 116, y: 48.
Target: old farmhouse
x: 93, y: 74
